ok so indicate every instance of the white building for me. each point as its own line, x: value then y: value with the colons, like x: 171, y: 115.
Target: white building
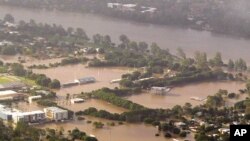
x: 31, y: 98
x: 17, y: 115
x: 160, y: 90
x: 55, y: 113
x: 9, y: 94
x: 76, y: 100
x: 29, y: 117
x: 114, y: 5
x: 5, y: 113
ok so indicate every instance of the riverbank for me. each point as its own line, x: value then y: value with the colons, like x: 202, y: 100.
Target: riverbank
x: 165, y: 36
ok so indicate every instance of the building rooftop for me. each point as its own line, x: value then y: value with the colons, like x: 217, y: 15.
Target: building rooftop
x: 7, y: 92
x: 29, y: 113
x: 37, y: 96
x: 55, y: 109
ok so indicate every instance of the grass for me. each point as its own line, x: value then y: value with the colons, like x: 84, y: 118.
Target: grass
x: 5, y: 79
x: 27, y: 81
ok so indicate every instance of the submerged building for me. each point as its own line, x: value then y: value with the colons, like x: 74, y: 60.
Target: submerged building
x: 17, y: 115
x: 55, y: 113
x: 85, y: 80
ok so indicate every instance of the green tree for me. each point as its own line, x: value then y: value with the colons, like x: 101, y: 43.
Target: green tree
x: 181, y: 53
x: 8, y: 50
x: 9, y: 18
x: 230, y: 64
x: 55, y: 84
x: 201, y: 60
x: 18, y: 69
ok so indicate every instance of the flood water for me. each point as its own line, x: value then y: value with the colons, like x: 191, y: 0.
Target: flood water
x: 165, y: 36
x: 181, y: 95
x: 126, y: 132
x: 69, y: 73
x: 98, y: 104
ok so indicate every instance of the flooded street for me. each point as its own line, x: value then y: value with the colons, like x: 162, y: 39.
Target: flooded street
x: 181, y: 95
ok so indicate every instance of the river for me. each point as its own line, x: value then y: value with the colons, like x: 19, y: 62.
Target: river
x: 166, y: 36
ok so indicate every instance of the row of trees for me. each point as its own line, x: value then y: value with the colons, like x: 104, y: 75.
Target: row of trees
x: 40, y: 79
x: 116, y: 100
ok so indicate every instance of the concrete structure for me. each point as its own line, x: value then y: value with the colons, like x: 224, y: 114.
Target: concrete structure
x: 69, y: 84
x: 12, y: 86
x: 114, y: 5
x: 115, y: 80
x: 85, y: 80
x: 31, y: 98
x: 5, y: 113
x: 77, y: 100
x: 10, y: 95
x: 160, y: 90
x: 55, y: 113
x: 42, y: 92
x: 17, y: 115
x: 29, y: 117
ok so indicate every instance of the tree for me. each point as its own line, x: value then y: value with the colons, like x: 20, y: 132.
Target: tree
x: 181, y: 53
x: 55, y: 84
x: 88, y: 138
x: 214, y: 101
x: 81, y: 33
x: 9, y: 18
x: 201, y: 60
x: 97, y: 38
x: 217, y: 61
x: 8, y: 50
x: 240, y: 65
x: 248, y: 86
x: 67, y: 96
x: 124, y: 39
x: 18, y: 69
x: 230, y: 64
x: 143, y: 46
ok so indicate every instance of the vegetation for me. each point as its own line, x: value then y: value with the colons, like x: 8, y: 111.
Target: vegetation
x: 65, y: 61
x: 201, y: 15
x: 24, y: 132
x: 40, y: 79
x: 116, y: 100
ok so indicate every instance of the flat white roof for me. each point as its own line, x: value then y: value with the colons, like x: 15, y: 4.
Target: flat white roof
x: 77, y: 99
x: 37, y: 96
x: 30, y: 113
x: 7, y: 92
x: 55, y: 109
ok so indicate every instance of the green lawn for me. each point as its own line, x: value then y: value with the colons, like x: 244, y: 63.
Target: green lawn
x: 6, y: 79
x: 27, y: 81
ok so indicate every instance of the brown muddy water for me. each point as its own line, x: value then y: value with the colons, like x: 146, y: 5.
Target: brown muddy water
x: 70, y: 73
x: 181, y: 95
x: 166, y: 36
x: 126, y: 132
